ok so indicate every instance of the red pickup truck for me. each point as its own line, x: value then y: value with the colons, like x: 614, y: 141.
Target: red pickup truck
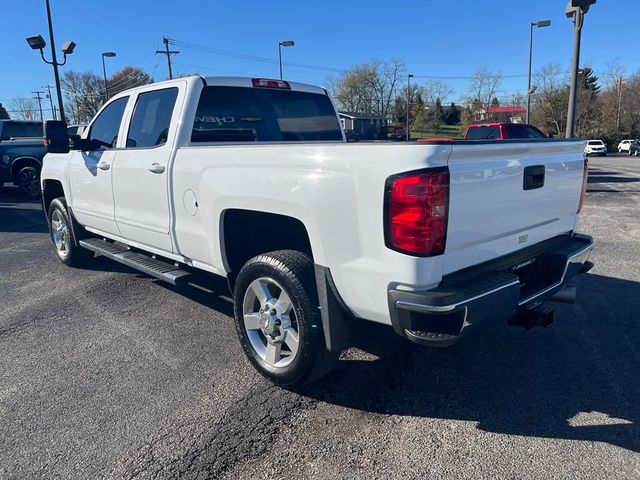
x: 502, y: 131
x: 496, y: 131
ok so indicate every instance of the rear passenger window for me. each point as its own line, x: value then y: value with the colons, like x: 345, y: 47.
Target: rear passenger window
x: 151, y: 118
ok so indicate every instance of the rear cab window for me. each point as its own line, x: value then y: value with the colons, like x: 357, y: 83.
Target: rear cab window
x: 483, y: 133
x: 242, y: 114
x: 21, y: 130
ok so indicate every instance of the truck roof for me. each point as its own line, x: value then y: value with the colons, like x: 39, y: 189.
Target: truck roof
x: 239, y: 82
x: 248, y: 82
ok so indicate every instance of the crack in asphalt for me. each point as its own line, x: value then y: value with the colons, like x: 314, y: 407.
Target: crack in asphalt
x: 214, y: 446
x: 209, y: 448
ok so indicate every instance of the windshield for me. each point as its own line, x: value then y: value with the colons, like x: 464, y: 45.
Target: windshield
x: 241, y: 114
x: 596, y: 142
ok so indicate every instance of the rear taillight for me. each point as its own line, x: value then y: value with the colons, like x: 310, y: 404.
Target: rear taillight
x: 416, y: 210
x: 585, y: 180
x: 268, y: 83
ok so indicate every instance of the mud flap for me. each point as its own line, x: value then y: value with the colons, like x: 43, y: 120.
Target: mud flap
x: 334, y: 312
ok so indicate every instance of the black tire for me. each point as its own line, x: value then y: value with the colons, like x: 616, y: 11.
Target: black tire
x: 73, y: 255
x: 28, y: 181
x: 293, y: 272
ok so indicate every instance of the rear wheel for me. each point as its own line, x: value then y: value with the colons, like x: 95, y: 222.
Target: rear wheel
x: 62, y: 236
x: 277, y: 318
x: 28, y: 181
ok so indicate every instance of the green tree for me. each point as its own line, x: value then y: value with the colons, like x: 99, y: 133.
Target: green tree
x: 4, y: 115
x: 588, y: 80
x: 452, y: 116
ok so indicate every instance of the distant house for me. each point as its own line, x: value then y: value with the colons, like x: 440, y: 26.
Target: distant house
x: 366, y: 127
x: 507, y: 113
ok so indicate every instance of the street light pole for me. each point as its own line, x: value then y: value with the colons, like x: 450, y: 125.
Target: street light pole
x: 539, y: 24
x: 104, y: 72
x: 54, y: 62
x: 409, y: 77
x: 36, y: 42
x: 576, y: 9
x: 285, y: 43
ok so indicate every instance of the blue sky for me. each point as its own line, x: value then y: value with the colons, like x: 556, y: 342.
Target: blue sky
x: 433, y: 37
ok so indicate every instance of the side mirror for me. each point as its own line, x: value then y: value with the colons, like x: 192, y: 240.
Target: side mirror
x: 83, y: 144
x: 56, y: 138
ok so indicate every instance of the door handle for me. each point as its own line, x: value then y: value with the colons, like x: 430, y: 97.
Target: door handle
x: 104, y: 165
x: 156, y: 168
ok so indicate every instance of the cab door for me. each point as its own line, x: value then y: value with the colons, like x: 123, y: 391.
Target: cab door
x: 141, y: 170
x: 90, y: 172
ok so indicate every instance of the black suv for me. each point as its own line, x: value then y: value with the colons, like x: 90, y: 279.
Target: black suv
x: 21, y: 153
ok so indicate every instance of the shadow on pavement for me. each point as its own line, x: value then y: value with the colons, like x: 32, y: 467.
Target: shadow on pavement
x: 576, y: 381
x: 20, y: 214
x: 611, y: 179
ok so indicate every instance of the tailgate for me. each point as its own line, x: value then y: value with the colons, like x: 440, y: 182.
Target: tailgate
x: 506, y: 196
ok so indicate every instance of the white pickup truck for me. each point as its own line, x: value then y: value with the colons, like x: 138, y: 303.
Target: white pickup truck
x: 252, y: 180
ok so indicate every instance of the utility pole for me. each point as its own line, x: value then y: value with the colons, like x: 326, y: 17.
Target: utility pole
x: 620, y: 82
x: 409, y: 77
x: 53, y: 109
x: 168, y: 53
x: 39, y: 98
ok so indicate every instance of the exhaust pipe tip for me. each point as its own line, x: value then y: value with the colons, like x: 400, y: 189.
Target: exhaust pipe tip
x: 566, y: 295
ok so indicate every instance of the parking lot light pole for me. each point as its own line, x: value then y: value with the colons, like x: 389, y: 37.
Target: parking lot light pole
x: 539, y: 24
x: 576, y: 9
x: 409, y: 77
x: 285, y: 43
x: 104, y: 72
x: 36, y: 42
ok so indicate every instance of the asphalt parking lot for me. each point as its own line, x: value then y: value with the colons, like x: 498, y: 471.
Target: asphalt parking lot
x: 106, y: 373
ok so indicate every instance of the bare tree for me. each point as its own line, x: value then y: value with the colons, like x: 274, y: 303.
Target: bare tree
x: 84, y: 95
x: 432, y: 90
x: 126, y: 78
x: 369, y: 88
x: 23, y: 108
x: 483, y: 86
x: 550, y: 102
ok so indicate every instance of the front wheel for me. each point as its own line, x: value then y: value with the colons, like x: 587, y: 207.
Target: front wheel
x: 278, y: 320
x: 62, y: 236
